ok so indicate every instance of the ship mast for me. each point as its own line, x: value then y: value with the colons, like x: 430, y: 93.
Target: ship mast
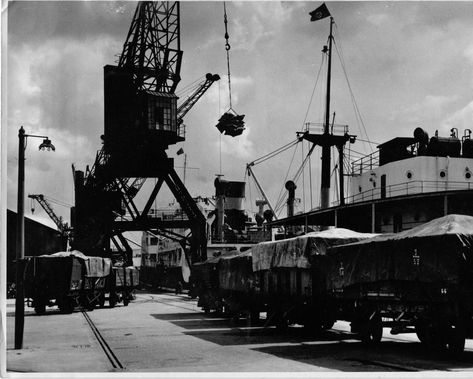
x: 325, y: 182
x: 327, y: 139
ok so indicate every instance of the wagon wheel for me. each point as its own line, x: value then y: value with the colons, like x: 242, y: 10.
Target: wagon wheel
x: 432, y: 333
x: 282, y: 323
x: 66, y: 305
x: 421, y: 331
x: 112, y: 300
x: 40, y: 309
x: 91, y: 305
x: 313, y: 327
x: 371, y: 331
x: 126, y: 298
x: 255, y: 316
x: 456, y: 339
x: 102, y: 300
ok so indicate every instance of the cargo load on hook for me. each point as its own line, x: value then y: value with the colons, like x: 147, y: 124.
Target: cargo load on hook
x: 231, y: 124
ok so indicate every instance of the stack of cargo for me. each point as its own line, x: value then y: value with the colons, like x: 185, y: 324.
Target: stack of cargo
x: 231, y: 124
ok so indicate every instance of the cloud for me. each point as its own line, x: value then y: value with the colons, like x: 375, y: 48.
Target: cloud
x: 460, y: 119
x: 218, y: 93
x: 427, y: 112
x: 254, y: 22
x: 240, y: 147
x: 377, y: 19
x: 468, y: 53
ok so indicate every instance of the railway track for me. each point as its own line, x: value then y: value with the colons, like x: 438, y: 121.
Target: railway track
x: 113, y: 359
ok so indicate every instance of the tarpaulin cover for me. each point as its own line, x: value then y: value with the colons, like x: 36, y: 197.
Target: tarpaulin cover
x: 52, y: 276
x: 201, y: 271
x: 98, y: 267
x: 438, y: 251
x: 236, y: 273
x: 295, y: 252
x: 74, y: 253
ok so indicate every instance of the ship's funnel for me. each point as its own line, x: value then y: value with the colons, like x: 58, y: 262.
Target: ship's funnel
x: 291, y: 188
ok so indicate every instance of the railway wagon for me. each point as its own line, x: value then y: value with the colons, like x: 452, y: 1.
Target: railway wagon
x: 288, y: 277
x: 165, y: 269
x: 96, y: 275
x: 276, y: 277
x: 65, y: 279
x: 239, y: 287
x: 120, y: 285
x: 205, y: 284
x: 418, y: 280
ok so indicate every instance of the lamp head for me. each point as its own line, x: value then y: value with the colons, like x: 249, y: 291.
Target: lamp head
x: 47, y: 145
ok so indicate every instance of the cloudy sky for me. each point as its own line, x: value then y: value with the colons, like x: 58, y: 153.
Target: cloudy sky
x: 408, y: 64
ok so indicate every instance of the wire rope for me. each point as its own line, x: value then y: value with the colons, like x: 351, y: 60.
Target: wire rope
x: 58, y: 202
x: 355, y: 105
x: 275, y: 152
x: 190, y: 86
x: 313, y: 90
x: 227, y: 48
x: 284, y: 181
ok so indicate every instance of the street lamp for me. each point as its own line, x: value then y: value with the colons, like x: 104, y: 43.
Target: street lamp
x: 20, y: 233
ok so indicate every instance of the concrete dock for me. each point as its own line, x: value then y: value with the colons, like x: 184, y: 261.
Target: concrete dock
x: 164, y: 333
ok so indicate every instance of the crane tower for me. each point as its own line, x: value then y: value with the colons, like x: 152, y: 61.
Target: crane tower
x: 142, y: 119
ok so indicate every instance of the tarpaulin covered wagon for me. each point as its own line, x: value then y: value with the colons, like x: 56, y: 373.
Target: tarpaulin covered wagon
x: 289, y: 278
x: 205, y: 282
x: 65, y: 279
x: 421, y: 278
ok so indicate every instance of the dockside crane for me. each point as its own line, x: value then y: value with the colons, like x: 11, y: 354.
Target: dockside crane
x: 142, y: 120
x: 62, y: 226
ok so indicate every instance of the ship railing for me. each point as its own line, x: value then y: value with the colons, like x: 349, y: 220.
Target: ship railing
x: 163, y: 215
x: 250, y: 236
x: 407, y: 188
x: 318, y: 128
x: 366, y: 163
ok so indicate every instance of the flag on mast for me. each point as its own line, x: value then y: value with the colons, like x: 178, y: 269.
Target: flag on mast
x: 320, y: 13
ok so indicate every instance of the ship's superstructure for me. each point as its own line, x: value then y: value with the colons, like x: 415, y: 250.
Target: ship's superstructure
x: 414, y: 165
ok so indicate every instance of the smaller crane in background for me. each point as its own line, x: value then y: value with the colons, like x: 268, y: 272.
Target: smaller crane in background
x: 62, y: 226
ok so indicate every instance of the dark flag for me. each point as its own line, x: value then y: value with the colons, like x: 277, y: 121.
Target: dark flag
x: 320, y: 13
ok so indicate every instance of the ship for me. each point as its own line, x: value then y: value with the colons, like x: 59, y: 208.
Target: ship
x: 230, y: 230
x: 406, y: 182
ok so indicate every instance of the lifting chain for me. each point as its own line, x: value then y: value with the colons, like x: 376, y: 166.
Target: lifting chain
x: 227, y: 48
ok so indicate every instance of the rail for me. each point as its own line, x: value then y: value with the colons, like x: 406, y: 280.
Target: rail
x: 366, y: 163
x: 318, y: 128
x: 407, y: 188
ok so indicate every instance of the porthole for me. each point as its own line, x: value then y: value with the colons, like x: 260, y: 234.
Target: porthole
x: 443, y: 174
x: 468, y: 175
x: 409, y: 175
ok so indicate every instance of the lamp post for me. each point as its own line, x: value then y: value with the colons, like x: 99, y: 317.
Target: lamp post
x: 20, y: 233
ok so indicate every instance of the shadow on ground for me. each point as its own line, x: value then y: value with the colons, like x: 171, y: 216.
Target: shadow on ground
x: 387, y: 356
x: 240, y: 335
